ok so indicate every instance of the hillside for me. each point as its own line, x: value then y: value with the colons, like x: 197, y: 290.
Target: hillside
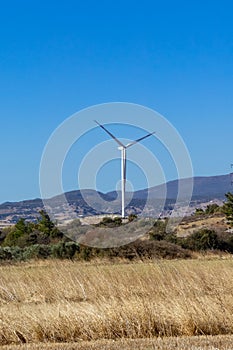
x: 205, y: 189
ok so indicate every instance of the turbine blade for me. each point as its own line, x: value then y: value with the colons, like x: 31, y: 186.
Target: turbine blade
x: 141, y: 138
x: 109, y: 133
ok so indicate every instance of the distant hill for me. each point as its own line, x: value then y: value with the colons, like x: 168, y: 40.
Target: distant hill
x: 205, y: 189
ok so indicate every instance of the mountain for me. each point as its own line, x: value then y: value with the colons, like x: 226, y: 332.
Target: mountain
x: 205, y: 189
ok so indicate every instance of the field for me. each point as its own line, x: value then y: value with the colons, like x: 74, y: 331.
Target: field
x: 162, y: 304
x: 191, y: 224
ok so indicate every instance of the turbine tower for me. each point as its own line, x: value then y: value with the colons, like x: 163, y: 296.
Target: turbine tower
x: 123, y: 148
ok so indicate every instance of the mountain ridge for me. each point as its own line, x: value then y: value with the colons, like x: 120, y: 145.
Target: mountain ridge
x: 206, y: 188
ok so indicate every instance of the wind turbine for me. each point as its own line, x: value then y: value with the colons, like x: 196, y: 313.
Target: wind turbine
x: 123, y: 148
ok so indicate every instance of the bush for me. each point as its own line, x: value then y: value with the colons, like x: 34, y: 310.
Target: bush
x: 202, y: 240
x: 199, y: 211
x: 109, y: 222
x: 5, y: 254
x: 228, y: 208
x: 24, y: 234
x: 212, y: 208
x: 148, y: 250
x: 13, y: 240
x: 226, y: 242
x: 158, y: 232
x: 86, y: 253
x: 12, y: 253
x: 18, y: 235
x: 64, y: 250
x: 132, y: 217
x: 36, y: 251
x: 159, y: 250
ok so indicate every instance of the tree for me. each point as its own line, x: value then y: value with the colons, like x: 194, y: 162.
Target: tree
x: 18, y: 235
x: 44, y: 223
x: 228, y: 208
x: 46, y: 226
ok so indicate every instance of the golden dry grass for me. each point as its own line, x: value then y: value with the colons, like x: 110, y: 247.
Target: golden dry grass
x: 223, y: 342
x: 60, y: 301
x: 192, y: 224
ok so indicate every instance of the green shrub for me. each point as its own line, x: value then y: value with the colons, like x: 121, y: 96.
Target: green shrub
x: 148, y: 250
x: 117, y: 221
x: 5, y: 254
x: 11, y: 239
x: 228, y: 208
x: 64, y: 250
x: 87, y: 253
x: 132, y: 217
x: 212, y: 208
x: 199, y: 211
x: 109, y: 222
x: 36, y: 251
x: 172, y: 238
x: 16, y: 252
x: 204, y: 239
x: 158, y: 231
x: 18, y: 235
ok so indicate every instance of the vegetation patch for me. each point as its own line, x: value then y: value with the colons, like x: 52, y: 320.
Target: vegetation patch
x: 57, y: 301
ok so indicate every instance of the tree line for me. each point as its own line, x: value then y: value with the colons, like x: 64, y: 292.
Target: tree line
x: 43, y: 239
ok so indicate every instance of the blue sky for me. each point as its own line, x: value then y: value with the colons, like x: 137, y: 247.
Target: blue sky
x: 59, y: 57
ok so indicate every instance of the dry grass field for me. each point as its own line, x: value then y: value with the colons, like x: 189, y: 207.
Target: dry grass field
x: 223, y: 342
x: 192, y: 224
x: 100, y: 305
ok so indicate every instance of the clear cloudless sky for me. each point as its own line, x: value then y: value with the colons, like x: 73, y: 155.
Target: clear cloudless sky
x: 58, y: 57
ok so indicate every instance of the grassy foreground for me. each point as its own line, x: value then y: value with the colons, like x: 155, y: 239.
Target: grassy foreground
x: 223, y: 342
x: 62, y: 301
